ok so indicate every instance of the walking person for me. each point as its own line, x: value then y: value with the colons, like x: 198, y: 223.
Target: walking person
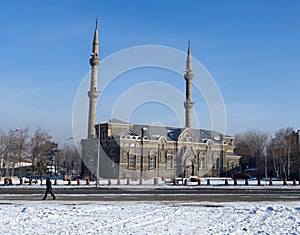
x: 48, y: 189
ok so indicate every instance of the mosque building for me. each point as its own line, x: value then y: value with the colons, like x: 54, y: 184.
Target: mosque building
x: 116, y: 149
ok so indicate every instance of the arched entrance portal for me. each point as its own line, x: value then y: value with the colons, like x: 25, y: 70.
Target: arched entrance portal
x: 189, y: 168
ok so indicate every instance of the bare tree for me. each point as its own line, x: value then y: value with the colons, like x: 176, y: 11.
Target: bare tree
x: 72, y: 161
x: 18, y: 146
x: 251, y: 145
x: 283, y: 151
x: 40, y: 143
x: 3, y: 152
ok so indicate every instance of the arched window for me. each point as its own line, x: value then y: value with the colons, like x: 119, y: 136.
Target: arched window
x: 230, y: 165
x: 169, y: 162
x: 216, y: 164
x: 201, y: 163
x: 169, y: 159
x: 152, y: 159
x: 132, y: 161
x: 152, y: 162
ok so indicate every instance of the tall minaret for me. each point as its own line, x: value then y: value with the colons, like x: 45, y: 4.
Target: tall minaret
x: 188, y: 76
x: 93, y: 93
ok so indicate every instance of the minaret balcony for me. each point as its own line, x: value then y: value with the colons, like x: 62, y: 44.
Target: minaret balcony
x: 188, y: 76
x: 93, y: 95
x: 188, y: 104
x: 94, y: 61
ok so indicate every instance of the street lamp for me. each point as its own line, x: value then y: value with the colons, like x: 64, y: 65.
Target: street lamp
x: 20, y: 150
x: 70, y: 138
x: 7, y: 168
x: 98, y: 156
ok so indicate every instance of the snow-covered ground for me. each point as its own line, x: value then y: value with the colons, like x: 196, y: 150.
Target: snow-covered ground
x: 94, y: 217
x: 162, y: 217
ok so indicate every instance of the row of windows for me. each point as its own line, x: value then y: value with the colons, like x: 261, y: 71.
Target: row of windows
x: 132, y: 159
x: 202, y: 164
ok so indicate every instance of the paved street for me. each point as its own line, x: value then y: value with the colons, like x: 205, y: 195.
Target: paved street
x: 213, y: 194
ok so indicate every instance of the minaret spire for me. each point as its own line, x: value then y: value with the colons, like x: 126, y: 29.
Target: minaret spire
x: 188, y: 76
x: 93, y: 94
x: 95, y: 42
x: 189, y: 58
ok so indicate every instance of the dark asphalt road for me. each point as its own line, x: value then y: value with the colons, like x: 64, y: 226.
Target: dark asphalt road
x: 213, y: 194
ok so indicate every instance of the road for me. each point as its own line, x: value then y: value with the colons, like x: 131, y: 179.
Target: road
x: 197, y: 194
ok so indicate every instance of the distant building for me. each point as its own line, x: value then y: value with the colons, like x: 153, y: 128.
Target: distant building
x: 14, y: 166
x: 133, y: 151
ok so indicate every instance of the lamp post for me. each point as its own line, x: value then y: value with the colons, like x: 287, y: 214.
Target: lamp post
x: 20, y: 149
x: 1, y: 161
x: 70, y: 138
x: 98, y: 156
x: 175, y: 159
x: 7, y: 160
x: 6, y: 172
x: 142, y: 154
x: 221, y: 167
x: 144, y: 134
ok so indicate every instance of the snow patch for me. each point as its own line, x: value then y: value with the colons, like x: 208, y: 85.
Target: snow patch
x: 94, y: 217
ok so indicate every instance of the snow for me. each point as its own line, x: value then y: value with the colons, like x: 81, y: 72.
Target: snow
x: 96, y: 217
x: 75, y: 215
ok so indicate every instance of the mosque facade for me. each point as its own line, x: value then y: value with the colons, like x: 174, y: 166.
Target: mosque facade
x: 116, y: 149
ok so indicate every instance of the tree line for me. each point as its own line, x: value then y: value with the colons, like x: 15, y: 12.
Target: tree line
x: 276, y: 155
x: 41, y: 153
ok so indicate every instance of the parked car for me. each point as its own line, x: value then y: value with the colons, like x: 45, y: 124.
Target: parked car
x: 240, y: 175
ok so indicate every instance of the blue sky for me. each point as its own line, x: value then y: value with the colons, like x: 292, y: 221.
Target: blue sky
x: 251, y: 48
